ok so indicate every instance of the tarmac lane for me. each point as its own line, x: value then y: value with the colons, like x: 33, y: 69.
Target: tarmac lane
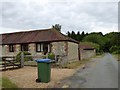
x: 101, y: 73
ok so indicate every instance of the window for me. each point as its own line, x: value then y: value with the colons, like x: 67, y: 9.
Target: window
x: 39, y: 47
x: 24, y: 47
x: 11, y: 48
x: 43, y: 47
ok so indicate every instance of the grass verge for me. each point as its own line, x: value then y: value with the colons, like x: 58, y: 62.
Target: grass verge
x: 117, y: 56
x: 76, y: 64
x: 6, y: 83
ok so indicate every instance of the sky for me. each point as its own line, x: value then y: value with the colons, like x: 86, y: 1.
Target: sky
x: 72, y: 15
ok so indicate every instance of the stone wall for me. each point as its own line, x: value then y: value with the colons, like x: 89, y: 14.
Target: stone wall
x: 59, y: 48
x: 32, y: 50
x: 73, y: 51
x: 85, y: 54
x: 5, y: 50
x: 0, y: 50
x: 68, y: 51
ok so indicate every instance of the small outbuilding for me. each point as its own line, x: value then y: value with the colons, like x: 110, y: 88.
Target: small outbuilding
x: 87, y: 51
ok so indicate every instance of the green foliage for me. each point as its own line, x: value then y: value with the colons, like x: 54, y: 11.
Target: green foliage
x: 27, y: 56
x: 51, y: 56
x: 112, y: 39
x: 79, y: 36
x: 105, y: 42
x: 57, y: 27
x: 116, y: 52
x: 115, y: 49
x: 95, y: 38
x: 6, y: 83
x: 96, y: 46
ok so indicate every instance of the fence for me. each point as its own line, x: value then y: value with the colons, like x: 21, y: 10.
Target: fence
x: 12, y: 63
x: 9, y: 63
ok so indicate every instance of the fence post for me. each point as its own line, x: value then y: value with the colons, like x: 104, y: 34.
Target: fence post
x: 22, y: 60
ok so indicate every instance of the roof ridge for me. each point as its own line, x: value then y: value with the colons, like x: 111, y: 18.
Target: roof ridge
x: 39, y: 36
x: 67, y: 37
x: 27, y: 31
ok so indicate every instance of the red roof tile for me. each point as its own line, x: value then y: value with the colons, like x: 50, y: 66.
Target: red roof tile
x: 47, y: 35
x: 86, y: 47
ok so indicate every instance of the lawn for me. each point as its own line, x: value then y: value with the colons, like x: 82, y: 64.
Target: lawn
x: 6, y: 83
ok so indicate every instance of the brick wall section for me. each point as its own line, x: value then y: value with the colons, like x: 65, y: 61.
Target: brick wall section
x: 72, y: 51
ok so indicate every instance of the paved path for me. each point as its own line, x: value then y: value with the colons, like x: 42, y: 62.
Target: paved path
x: 100, y: 73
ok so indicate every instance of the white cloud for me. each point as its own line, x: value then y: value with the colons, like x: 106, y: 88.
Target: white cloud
x: 72, y: 15
x: 8, y: 30
x: 105, y: 30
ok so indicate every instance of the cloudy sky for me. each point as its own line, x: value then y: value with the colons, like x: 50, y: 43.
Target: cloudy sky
x: 73, y: 15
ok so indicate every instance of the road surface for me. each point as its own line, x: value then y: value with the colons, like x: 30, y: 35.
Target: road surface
x: 99, y: 73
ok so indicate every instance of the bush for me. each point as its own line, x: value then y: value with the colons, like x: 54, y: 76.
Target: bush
x: 116, y: 52
x: 51, y: 56
x: 96, y: 46
x: 26, y: 58
x: 114, y: 49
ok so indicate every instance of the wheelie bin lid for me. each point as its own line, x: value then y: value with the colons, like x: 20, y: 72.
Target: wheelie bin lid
x: 43, y: 60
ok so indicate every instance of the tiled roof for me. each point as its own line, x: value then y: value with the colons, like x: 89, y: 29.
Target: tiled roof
x: 86, y: 47
x: 46, y: 35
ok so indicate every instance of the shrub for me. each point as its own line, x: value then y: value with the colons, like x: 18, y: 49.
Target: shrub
x: 51, y: 56
x: 96, y: 46
x: 116, y: 52
x: 26, y: 58
x: 114, y: 49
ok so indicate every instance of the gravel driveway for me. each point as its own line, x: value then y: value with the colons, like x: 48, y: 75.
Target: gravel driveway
x: 26, y: 77
x: 99, y: 73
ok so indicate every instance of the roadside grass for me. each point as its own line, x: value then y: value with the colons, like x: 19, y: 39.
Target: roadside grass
x: 117, y: 56
x: 70, y: 65
x: 30, y: 63
x: 81, y: 63
x: 6, y: 83
x: 75, y: 64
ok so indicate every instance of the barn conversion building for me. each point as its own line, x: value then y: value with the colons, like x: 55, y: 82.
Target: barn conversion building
x: 40, y: 42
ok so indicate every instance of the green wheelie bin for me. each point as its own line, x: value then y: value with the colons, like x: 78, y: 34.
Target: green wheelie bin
x: 44, y: 70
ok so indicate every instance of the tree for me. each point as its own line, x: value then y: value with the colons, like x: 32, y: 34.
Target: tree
x: 73, y: 35
x: 96, y: 46
x: 78, y: 36
x: 95, y: 38
x: 57, y: 27
x: 68, y: 34
x: 111, y: 39
x: 82, y: 34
